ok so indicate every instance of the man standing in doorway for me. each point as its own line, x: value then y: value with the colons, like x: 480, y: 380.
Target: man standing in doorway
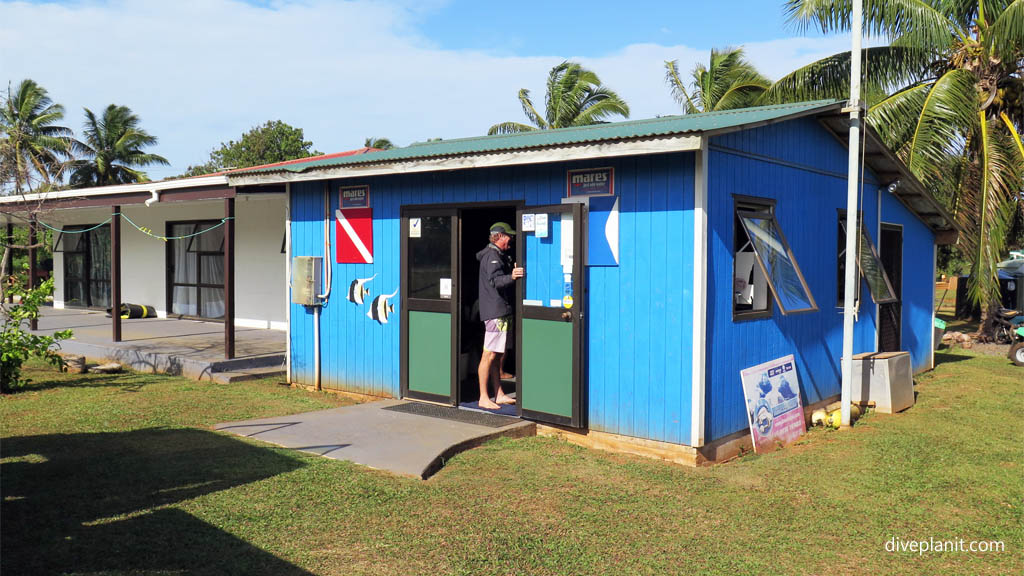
x: 497, y: 277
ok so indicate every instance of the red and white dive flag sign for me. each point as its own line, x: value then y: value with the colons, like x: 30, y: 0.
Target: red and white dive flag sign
x: 354, y: 231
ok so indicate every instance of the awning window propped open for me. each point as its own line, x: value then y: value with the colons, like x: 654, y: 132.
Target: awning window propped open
x: 777, y: 262
x: 870, y: 266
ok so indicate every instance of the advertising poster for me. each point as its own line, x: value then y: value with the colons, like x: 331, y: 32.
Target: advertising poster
x: 774, y: 409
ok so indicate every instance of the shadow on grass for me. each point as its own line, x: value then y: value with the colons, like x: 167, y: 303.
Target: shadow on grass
x: 128, y: 381
x: 98, y: 503
x: 947, y: 358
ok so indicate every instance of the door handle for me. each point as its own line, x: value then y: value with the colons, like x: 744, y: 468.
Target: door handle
x: 567, y: 316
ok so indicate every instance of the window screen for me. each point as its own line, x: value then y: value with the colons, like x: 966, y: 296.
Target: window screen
x: 870, y: 266
x: 777, y: 262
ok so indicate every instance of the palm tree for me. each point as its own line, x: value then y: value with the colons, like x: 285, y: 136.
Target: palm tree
x: 947, y: 94
x: 378, y: 143
x: 575, y: 97
x: 728, y: 82
x: 32, y: 144
x: 114, y: 144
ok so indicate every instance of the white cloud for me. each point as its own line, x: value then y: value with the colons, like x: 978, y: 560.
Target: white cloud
x: 199, y: 72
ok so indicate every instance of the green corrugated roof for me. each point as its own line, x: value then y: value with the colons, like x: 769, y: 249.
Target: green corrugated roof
x: 630, y: 129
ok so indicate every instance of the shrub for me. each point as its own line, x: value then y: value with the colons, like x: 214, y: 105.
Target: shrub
x: 17, y: 344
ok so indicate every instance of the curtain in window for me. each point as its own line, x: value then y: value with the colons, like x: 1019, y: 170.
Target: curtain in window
x: 99, y: 272
x: 183, y: 298
x: 198, y: 270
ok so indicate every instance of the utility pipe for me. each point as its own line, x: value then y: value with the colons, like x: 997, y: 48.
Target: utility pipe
x: 327, y: 293
x: 316, y: 348
x: 857, y: 22
x: 327, y: 242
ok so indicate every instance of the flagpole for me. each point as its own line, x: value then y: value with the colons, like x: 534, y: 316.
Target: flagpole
x: 852, y: 228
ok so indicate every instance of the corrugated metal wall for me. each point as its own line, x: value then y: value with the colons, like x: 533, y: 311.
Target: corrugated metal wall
x: 803, y: 167
x: 918, y: 281
x: 639, y: 313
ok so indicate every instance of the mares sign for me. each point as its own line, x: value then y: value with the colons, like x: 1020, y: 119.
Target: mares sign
x: 355, y: 197
x: 591, y: 182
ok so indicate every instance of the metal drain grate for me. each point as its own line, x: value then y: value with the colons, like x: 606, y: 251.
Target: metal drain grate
x: 447, y: 413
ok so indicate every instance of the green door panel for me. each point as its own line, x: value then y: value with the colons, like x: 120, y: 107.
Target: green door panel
x: 547, y: 367
x: 430, y: 352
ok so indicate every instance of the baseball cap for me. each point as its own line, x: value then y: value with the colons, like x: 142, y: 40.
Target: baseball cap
x: 503, y: 227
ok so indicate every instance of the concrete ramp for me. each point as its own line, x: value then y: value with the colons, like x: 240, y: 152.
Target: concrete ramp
x: 394, y: 435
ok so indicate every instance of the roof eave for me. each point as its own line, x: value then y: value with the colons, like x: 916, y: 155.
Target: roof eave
x: 584, y: 151
x: 185, y: 189
x: 351, y: 169
x: 909, y: 191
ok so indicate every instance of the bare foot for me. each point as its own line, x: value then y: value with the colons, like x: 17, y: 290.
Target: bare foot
x: 503, y: 399
x: 486, y: 404
x: 507, y: 376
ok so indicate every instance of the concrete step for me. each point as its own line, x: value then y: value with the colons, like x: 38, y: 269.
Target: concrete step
x: 248, y: 363
x: 232, y: 376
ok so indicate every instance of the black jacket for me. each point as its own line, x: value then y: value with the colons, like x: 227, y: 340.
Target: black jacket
x: 496, y: 283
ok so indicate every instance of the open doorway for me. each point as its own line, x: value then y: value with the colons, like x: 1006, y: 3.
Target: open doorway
x: 890, y: 250
x: 474, y: 230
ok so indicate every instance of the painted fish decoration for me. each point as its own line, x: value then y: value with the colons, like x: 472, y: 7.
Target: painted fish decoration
x: 357, y: 290
x: 382, y: 308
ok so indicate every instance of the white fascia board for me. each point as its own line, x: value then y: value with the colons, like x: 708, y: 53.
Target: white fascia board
x: 119, y: 189
x: 483, y: 160
x: 700, y: 300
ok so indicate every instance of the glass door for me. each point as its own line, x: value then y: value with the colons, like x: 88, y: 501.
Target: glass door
x: 550, y: 313
x: 429, y: 304
x: 86, y: 266
x: 74, y: 247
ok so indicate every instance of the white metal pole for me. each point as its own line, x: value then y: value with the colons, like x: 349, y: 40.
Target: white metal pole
x: 851, y: 211
x: 288, y: 281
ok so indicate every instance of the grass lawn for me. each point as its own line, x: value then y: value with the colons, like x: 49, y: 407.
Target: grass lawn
x: 121, y: 475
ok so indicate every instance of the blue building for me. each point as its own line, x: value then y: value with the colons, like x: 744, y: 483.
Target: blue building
x: 662, y: 257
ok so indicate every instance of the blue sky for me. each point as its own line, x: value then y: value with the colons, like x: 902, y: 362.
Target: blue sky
x: 535, y: 28
x: 202, y: 72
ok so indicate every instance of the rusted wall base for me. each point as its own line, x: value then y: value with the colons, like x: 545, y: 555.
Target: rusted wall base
x: 718, y: 451
x: 344, y: 394
x: 740, y: 442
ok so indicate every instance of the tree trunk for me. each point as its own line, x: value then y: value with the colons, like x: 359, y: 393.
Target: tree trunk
x: 987, y: 326
x: 3, y: 273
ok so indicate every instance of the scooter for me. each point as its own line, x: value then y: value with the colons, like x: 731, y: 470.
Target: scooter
x: 1010, y: 329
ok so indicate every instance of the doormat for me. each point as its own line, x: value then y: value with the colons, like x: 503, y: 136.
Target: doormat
x: 448, y: 413
x: 505, y: 410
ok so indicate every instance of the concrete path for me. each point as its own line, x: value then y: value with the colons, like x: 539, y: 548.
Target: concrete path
x: 189, y: 348
x: 367, y: 434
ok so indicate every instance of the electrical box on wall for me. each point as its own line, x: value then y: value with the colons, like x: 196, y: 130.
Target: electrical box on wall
x: 306, y: 272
